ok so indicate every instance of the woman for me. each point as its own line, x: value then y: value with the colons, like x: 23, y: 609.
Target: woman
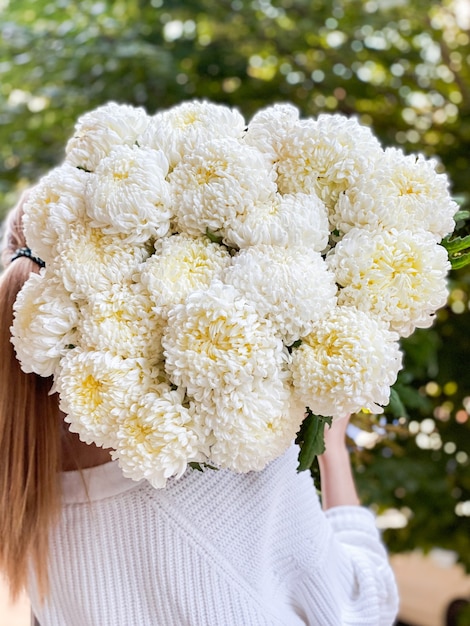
x: 214, y: 548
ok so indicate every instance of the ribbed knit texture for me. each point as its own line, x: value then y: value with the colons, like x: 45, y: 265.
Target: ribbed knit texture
x: 214, y: 549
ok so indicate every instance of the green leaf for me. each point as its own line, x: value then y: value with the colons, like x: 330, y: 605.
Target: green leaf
x: 201, y: 466
x: 311, y: 439
x: 457, y: 244
x: 396, y: 406
x: 460, y: 261
x: 294, y: 345
x: 213, y: 237
x: 195, y: 466
x: 461, y: 215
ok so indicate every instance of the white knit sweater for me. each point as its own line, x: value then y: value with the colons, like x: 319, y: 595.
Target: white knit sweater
x: 213, y: 549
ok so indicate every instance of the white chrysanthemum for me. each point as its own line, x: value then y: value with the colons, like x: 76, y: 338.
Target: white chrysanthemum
x: 347, y: 363
x: 402, y: 192
x: 217, y: 339
x: 122, y: 320
x: 128, y: 194
x: 158, y: 438
x: 269, y: 128
x: 99, y: 131
x: 252, y: 427
x: 179, y: 131
x: 216, y: 183
x: 97, y: 390
x: 291, y: 287
x: 182, y: 264
x: 44, y: 324
x: 325, y: 156
x: 289, y: 220
x: 398, y: 276
x: 51, y: 206
x: 89, y: 261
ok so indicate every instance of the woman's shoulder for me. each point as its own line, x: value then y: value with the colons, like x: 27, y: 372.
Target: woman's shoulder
x: 108, y: 481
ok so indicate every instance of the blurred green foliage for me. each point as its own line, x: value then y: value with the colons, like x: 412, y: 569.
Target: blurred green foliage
x: 402, y: 67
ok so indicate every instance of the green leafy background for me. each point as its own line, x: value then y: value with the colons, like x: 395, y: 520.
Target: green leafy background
x: 401, y: 66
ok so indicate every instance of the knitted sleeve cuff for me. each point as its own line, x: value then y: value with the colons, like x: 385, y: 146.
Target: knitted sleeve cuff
x: 350, y: 517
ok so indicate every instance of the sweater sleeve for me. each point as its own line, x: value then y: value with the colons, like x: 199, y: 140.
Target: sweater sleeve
x: 348, y: 580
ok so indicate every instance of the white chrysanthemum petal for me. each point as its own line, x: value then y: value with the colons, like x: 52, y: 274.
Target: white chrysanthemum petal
x: 158, y: 438
x: 56, y: 202
x: 325, y: 156
x: 123, y: 321
x: 402, y: 192
x: 253, y: 426
x: 98, y: 389
x: 89, y: 261
x: 180, y: 130
x: 44, y: 324
x: 288, y: 220
x: 128, y: 194
x: 347, y: 363
x: 399, y: 277
x: 291, y: 287
x: 182, y: 264
x: 99, y: 131
x: 217, y: 182
x: 270, y: 127
x: 216, y: 338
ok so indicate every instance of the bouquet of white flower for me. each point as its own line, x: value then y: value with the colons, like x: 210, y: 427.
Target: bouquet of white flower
x: 208, y: 281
